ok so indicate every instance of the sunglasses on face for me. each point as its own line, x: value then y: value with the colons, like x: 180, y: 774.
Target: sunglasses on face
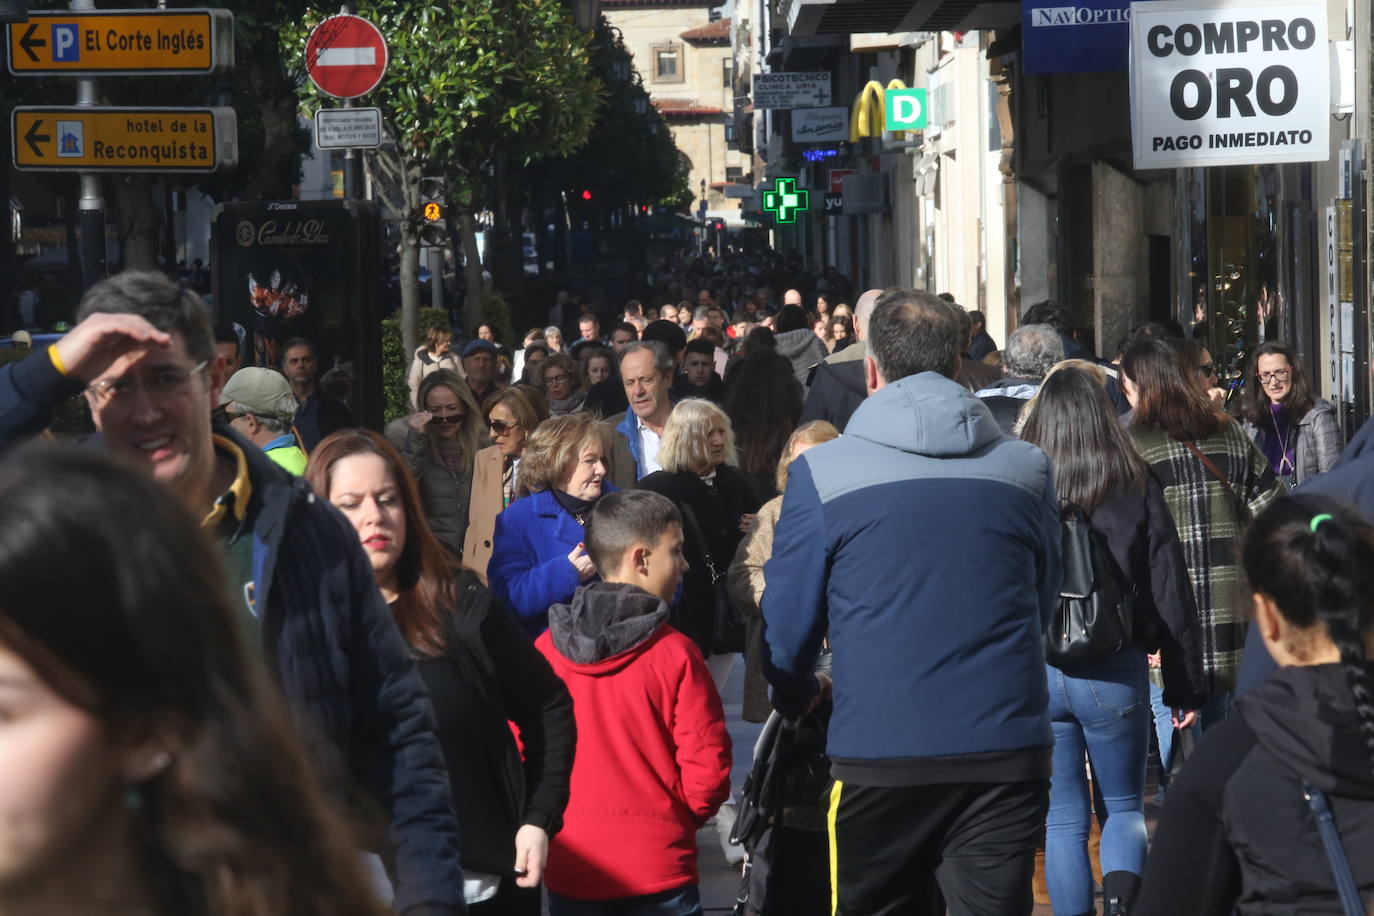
x: 501, y: 427
x: 1278, y: 375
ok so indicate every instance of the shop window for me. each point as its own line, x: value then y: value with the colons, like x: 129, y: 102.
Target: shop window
x: 668, y: 63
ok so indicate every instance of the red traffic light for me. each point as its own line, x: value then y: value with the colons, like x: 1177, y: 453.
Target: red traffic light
x: 586, y: 195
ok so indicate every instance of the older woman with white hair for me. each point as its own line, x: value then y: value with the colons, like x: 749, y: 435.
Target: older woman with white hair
x: 701, y: 476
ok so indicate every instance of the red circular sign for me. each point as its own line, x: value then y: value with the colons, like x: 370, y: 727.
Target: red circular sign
x: 346, y: 56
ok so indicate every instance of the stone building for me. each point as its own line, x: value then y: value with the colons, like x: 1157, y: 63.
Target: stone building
x: 682, y: 50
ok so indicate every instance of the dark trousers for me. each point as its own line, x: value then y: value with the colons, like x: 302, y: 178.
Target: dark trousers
x: 917, y: 849
x: 680, y: 901
x: 510, y: 900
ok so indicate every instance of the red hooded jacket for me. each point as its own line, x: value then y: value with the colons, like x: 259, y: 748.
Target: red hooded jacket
x: 653, y: 756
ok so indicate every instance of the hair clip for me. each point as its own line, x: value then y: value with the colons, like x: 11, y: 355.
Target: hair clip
x: 1318, y: 519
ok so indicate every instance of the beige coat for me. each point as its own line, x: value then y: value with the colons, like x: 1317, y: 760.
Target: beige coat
x: 746, y: 587
x: 487, y: 497
x: 423, y: 364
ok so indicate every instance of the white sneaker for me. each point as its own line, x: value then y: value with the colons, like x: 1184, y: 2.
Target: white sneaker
x: 725, y: 822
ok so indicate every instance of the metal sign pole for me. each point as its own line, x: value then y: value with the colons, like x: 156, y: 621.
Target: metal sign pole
x: 353, y: 173
x: 352, y: 176
x: 92, y: 203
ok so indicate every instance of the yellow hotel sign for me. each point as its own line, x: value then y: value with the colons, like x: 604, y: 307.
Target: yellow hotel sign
x: 121, y: 42
x: 60, y: 139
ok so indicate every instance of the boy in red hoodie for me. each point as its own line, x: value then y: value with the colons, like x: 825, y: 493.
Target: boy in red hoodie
x: 653, y: 755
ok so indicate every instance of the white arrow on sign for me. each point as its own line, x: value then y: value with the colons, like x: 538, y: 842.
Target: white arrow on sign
x: 346, y: 57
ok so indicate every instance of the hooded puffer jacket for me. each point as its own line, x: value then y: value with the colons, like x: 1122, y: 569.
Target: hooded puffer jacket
x: 804, y: 349
x: 1237, y: 834
x: 927, y: 545
x: 653, y: 755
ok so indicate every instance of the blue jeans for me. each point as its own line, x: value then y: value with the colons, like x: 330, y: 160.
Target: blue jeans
x: 1164, y: 732
x: 1101, y: 710
x: 680, y: 901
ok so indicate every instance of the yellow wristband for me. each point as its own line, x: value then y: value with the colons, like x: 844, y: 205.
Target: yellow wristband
x: 57, y: 360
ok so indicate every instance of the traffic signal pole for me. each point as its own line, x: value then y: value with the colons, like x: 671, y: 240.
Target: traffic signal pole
x: 92, y: 202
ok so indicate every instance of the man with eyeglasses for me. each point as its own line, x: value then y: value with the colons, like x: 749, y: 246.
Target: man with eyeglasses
x: 143, y: 352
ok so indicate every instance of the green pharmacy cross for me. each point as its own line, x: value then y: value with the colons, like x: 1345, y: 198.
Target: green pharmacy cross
x: 785, y: 200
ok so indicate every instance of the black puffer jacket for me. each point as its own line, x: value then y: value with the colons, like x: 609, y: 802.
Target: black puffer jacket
x: 1237, y: 834
x: 718, y: 509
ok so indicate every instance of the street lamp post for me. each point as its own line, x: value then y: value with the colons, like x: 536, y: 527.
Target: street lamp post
x: 585, y: 13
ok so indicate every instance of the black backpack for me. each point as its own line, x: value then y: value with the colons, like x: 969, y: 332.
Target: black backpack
x: 1096, y: 608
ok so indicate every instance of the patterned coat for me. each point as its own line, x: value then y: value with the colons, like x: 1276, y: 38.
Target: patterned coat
x: 1209, y: 525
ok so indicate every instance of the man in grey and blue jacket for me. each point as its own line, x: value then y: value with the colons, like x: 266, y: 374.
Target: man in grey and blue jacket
x: 925, y: 543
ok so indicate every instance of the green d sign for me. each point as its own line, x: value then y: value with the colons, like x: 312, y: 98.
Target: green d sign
x: 904, y: 109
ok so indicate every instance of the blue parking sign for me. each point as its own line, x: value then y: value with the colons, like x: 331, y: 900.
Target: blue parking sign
x: 66, y: 45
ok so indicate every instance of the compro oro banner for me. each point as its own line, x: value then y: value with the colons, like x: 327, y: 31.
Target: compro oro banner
x: 1238, y: 83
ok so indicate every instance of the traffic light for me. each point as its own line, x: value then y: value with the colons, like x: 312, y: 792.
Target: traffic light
x: 433, y: 197
x: 587, y: 195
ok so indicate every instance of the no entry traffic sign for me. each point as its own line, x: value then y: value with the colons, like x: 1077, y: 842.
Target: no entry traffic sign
x: 346, y: 56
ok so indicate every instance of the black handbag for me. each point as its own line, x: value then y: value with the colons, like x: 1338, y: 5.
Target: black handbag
x: 728, y: 626
x: 1095, y: 615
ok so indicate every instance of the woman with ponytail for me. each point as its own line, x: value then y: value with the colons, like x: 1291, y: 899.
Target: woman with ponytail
x: 1238, y: 833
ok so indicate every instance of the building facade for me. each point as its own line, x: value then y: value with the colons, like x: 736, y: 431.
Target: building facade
x: 1023, y: 184
x: 683, y: 52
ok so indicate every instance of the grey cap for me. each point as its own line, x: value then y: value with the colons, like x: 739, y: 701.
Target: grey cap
x: 265, y: 392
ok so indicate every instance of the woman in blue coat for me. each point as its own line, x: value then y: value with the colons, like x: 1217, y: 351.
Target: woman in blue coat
x: 538, y: 556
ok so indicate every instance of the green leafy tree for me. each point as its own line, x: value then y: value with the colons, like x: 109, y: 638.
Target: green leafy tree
x: 630, y: 157
x: 469, y: 81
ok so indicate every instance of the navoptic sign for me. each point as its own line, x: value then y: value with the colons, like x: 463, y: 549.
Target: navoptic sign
x: 1087, y: 37
x: 1214, y: 83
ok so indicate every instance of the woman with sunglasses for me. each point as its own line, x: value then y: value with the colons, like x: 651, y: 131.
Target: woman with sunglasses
x: 1297, y: 432
x: 439, y: 442
x: 512, y: 414
x: 1197, y: 358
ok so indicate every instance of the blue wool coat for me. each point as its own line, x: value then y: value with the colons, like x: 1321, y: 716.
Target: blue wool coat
x: 529, y: 569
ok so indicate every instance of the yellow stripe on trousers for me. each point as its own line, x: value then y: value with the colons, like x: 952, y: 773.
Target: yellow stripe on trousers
x: 834, y: 850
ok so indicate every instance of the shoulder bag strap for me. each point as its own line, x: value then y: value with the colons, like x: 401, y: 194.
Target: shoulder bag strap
x: 1335, y: 850
x: 691, y: 518
x: 1242, y: 510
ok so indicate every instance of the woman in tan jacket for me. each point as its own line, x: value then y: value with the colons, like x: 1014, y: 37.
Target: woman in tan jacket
x: 746, y: 572
x: 433, y: 355
x: 512, y: 415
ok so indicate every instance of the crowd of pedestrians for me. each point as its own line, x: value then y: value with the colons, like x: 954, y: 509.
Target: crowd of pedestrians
x: 976, y: 591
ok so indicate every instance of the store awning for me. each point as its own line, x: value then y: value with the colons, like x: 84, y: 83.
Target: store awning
x: 848, y: 17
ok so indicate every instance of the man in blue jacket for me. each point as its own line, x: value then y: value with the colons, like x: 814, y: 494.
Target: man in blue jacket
x: 925, y: 543
x: 144, y: 354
